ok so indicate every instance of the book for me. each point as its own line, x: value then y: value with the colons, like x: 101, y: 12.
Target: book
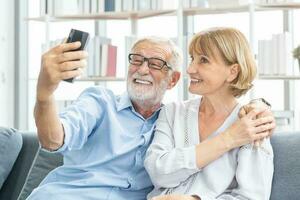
x: 111, y: 61
x: 109, y: 6
x: 104, y: 59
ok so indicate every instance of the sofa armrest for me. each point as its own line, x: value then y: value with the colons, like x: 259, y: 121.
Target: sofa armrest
x: 286, y: 184
x: 10, y: 146
x: 16, y: 179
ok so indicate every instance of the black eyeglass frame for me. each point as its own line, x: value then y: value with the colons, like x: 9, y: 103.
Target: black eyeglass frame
x: 147, y: 59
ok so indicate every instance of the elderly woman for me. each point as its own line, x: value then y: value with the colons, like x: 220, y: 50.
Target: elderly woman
x: 199, y: 150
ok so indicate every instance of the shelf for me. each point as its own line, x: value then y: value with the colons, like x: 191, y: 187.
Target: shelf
x: 105, y: 15
x: 215, y: 10
x: 240, y: 8
x: 98, y: 79
x: 95, y: 79
x: 278, y: 77
x: 284, y: 5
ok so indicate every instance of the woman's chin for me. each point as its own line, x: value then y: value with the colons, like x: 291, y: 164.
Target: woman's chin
x: 194, y: 91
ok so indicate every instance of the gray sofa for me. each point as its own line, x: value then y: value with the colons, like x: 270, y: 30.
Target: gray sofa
x: 286, y: 181
x: 31, y: 166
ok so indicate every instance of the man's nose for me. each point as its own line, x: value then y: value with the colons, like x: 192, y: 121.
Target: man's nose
x: 144, y: 69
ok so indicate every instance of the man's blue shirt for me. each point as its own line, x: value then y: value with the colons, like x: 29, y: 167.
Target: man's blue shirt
x: 104, y: 148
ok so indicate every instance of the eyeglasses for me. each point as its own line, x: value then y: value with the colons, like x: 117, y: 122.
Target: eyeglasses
x: 153, y: 63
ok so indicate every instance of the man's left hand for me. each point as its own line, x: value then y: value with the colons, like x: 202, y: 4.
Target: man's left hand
x: 267, y: 113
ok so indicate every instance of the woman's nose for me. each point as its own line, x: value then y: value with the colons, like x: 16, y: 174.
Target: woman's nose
x: 190, y: 69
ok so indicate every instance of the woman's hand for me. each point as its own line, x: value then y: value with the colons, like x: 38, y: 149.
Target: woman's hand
x: 175, y: 197
x: 249, y: 128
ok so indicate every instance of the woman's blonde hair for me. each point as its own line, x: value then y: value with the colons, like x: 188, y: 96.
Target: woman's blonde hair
x: 233, y: 47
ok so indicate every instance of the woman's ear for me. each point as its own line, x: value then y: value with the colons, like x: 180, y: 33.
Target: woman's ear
x: 234, y: 72
x: 173, y: 79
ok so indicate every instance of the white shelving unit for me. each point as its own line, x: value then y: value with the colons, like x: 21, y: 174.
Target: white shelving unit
x: 185, y: 25
x: 100, y: 20
x: 287, y: 9
x: 133, y: 16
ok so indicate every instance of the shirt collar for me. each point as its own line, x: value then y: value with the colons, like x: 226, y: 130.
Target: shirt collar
x: 124, y: 102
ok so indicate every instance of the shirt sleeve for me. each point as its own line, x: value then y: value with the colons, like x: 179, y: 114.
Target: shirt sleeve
x: 80, y: 118
x: 166, y: 164
x: 254, y: 173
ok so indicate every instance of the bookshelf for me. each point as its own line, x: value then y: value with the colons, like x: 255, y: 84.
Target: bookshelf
x: 188, y: 15
x: 184, y: 17
x: 126, y: 15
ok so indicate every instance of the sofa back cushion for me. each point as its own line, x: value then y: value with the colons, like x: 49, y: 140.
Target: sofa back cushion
x: 43, y: 163
x: 286, y: 179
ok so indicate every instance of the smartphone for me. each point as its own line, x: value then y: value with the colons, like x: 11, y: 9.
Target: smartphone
x: 74, y: 36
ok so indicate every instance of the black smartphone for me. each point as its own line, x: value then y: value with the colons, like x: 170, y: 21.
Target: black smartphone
x: 74, y: 36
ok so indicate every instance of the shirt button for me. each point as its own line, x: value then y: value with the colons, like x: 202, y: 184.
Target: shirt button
x: 144, y: 140
x: 129, y: 186
x: 130, y: 180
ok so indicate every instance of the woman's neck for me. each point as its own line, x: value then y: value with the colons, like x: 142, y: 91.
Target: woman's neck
x: 217, y: 106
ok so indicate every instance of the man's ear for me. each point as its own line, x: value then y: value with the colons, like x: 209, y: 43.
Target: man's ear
x: 174, y: 79
x: 234, y: 72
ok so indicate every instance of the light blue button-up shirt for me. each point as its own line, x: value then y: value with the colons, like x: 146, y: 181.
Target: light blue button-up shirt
x: 104, y: 148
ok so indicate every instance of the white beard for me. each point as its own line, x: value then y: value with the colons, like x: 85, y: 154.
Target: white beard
x: 144, y: 93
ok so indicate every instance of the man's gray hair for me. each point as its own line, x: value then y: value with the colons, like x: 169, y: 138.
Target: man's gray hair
x: 176, y: 59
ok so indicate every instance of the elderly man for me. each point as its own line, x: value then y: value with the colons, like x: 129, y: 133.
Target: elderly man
x: 103, y: 137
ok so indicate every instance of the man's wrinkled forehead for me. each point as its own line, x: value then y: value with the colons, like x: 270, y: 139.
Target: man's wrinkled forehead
x: 150, y: 49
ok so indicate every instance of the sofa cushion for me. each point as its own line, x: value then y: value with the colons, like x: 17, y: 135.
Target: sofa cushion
x: 286, y: 179
x: 10, y: 146
x: 43, y: 163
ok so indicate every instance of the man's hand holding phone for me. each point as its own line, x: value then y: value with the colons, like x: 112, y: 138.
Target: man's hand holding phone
x: 63, y: 62
x: 82, y: 37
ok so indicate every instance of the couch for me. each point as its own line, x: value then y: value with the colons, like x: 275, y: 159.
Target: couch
x: 33, y: 164
x: 10, y: 147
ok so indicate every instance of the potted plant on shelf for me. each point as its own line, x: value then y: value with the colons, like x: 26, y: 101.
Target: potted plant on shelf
x: 296, y: 54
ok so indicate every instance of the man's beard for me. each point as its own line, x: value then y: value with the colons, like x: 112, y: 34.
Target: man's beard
x: 152, y: 94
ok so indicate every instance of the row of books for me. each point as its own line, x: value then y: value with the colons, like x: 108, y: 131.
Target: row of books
x: 275, y: 55
x: 102, y: 59
x: 77, y: 7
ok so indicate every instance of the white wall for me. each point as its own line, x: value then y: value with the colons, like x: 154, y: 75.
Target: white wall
x: 7, y: 63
